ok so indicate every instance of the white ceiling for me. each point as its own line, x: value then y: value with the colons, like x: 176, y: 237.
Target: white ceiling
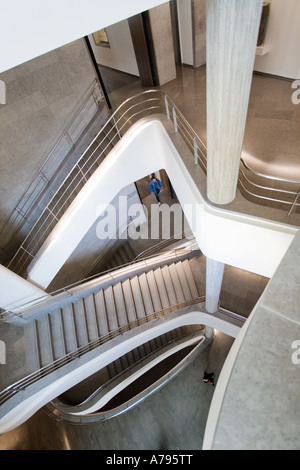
x: 30, y: 28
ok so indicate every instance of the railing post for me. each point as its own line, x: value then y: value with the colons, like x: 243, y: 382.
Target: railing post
x: 175, y: 119
x: 115, y: 124
x: 195, y: 151
x: 294, y: 203
x: 167, y: 107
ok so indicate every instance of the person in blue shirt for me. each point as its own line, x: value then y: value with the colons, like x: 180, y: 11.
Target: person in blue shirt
x: 155, y: 187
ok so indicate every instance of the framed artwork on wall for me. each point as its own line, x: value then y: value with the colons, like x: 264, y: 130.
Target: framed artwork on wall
x: 101, y: 38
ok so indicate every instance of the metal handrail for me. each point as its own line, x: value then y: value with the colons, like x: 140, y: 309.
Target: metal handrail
x: 32, y: 378
x: 263, y: 175
x: 126, y: 114
x: 31, y: 244
x: 133, y: 366
x: 57, y: 413
x: 24, y: 206
x: 142, y: 257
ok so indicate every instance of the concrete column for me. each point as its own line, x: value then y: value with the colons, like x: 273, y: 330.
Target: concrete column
x: 232, y: 31
x: 214, y: 278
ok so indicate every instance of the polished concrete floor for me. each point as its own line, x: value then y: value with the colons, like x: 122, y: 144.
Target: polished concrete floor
x: 175, y: 416
x: 272, y: 133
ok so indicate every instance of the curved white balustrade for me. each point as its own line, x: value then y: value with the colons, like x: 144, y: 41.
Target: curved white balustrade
x: 247, y: 242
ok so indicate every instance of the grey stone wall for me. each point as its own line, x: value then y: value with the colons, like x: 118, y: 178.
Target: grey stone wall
x: 41, y: 97
x: 199, y: 25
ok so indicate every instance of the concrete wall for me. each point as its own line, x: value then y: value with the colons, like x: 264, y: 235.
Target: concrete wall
x: 41, y: 97
x: 161, y: 28
x: 199, y: 19
x: 192, y: 31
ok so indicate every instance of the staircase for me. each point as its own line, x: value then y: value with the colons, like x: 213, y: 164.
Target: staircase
x: 109, y: 312
x: 119, y: 255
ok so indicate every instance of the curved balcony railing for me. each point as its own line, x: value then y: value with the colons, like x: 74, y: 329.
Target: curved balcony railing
x: 131, y: 110
x: 59, y: 411
x: 144, y: 259
x: 22, y: 384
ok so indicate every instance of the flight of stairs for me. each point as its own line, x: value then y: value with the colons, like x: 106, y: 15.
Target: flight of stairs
x: 63, y: 330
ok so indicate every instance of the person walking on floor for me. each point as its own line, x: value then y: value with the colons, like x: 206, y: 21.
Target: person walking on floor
x: 155, y: 187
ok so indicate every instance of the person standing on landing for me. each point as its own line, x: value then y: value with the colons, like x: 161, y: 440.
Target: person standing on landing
x: 155, y: 187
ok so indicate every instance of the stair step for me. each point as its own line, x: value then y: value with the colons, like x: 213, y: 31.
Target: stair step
x: 137, y: 296
x: 169, y: 285
x: 111, y: 368
x: 111, y: 312
x: 129, y: 301
x: 183, y: 281
x: 120, y: 304
x: 32, y: 347
x: 58, y: 336
x: 128, y: 252
x: 146, y: 296
x: 45, y: 341
x: 123, y: 254
x: 154, y: 291
x: 190, y: 278
x: 118, y: 258
x: 161, y: 288
x: 176, y: 283
x: 91, y: 318
x: 80, y: 323
x: 69, y: 328
x: 118, y: 366
x: 125, y: 362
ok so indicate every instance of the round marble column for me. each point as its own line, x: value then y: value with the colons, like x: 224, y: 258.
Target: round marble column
x: 214, y: 278
x: 232, y: 32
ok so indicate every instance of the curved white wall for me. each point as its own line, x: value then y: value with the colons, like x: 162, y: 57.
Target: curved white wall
x: 243, y: 241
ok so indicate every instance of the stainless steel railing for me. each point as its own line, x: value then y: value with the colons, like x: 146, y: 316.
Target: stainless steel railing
x: 141, y: 105
x: 125, y: 115
x: 70, y: 290
x: 22, y: 384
